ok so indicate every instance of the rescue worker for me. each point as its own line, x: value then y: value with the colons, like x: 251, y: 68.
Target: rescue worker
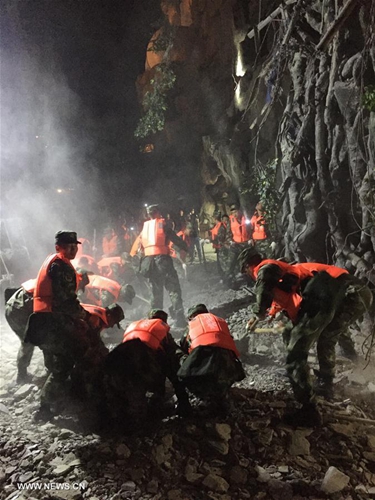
x: 329, y: 302
x: 221, y: 238
x: 157, y: 264
x: 87, y: 375
x: 59, y: 320
x: 102, y: 291
x: 18, y: 309
x: 241, y: 237
x: 259, y: 231
x: 110, y: 243
x: 117, y: 268
x: 147, y: 356
x: 195, y: 243
x: 212, y: 364
x: 355, y: 299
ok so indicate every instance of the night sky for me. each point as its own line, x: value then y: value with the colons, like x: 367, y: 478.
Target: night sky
x: 69, y: 105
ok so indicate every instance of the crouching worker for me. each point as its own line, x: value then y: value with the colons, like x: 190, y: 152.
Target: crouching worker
x: 18, y: 307
x: 87, y: 376
x: 213, y: 364
x: 147, y: 356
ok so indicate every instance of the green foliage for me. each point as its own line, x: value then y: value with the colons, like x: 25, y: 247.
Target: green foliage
x: 155, y: 102
x: 264, y: 185
x: 368, y: 98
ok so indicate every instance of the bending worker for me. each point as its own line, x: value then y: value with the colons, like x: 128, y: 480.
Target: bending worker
x: 320, y: 313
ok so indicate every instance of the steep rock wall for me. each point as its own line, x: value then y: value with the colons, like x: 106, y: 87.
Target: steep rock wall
x: 287, y: 91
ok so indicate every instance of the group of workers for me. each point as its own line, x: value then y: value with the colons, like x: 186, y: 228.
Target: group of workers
x: 320, y: 302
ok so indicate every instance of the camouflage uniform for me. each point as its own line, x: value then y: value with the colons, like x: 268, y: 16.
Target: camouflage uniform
x: 17, y: 311
x: 59, y: 334
x: 263, y: 248
x: 160, y: 271
x: 224, y: 238
x: 329, y: 306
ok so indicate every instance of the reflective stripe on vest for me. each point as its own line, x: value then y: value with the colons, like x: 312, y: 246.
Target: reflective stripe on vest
x: 239, y: 229
x: 153, y: 238
x: 43, y: 288
x: 333, y: 271
x: 150, y: 331
x: 208, y: 329
x: 29, y: 285
x: 259, y: 231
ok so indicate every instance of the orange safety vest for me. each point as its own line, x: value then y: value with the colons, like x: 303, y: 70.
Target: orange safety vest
x: 208, y: 329
x: 153, y: 238
x: 150, y: 331
x: 29, y: 285
x: 287, y: 301
x: 43, y: 288
x: 97, y: 282
x: 100, y: 316
x: 259, y: 230
x: 110, y: 246
x: 239, y: 230
x: 333, y: 271
x: 214, y: 232
x: 104, y: 265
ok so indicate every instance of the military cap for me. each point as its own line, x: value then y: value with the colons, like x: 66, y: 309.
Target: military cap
x: 195, y: 310
x: 117, y: 313
x: 66, y: 237
x: 127, y: 293
x: 234, y: 206
x: 158, y: 314
x: 152, y: 209
x: 246, y: 256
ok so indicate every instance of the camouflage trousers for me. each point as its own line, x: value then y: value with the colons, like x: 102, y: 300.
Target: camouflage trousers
x: 263, y: 247
x: 223, y: 261
x: 62, y: 344
x: 209, y: 371
x: 328, y: 308
x: 162, y: 274
x: 17, y: 312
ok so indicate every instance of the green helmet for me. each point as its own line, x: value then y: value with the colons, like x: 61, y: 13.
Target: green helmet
x: 127, y: 293
x: 115, y: 313
x: 158, y: 314
x: 246, y: 256
x: 195, y: 310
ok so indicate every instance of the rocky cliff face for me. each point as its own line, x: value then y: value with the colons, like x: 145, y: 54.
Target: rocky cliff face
x: 275, y: 102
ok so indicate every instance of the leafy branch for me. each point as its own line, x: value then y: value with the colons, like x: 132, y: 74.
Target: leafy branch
x: 155, y: 102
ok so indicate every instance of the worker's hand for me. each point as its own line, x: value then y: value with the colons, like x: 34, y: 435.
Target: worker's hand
x: 251, y: 324
x: 251, y: 243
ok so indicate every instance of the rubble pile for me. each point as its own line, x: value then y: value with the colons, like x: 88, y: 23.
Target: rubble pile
x: 245, y: 453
